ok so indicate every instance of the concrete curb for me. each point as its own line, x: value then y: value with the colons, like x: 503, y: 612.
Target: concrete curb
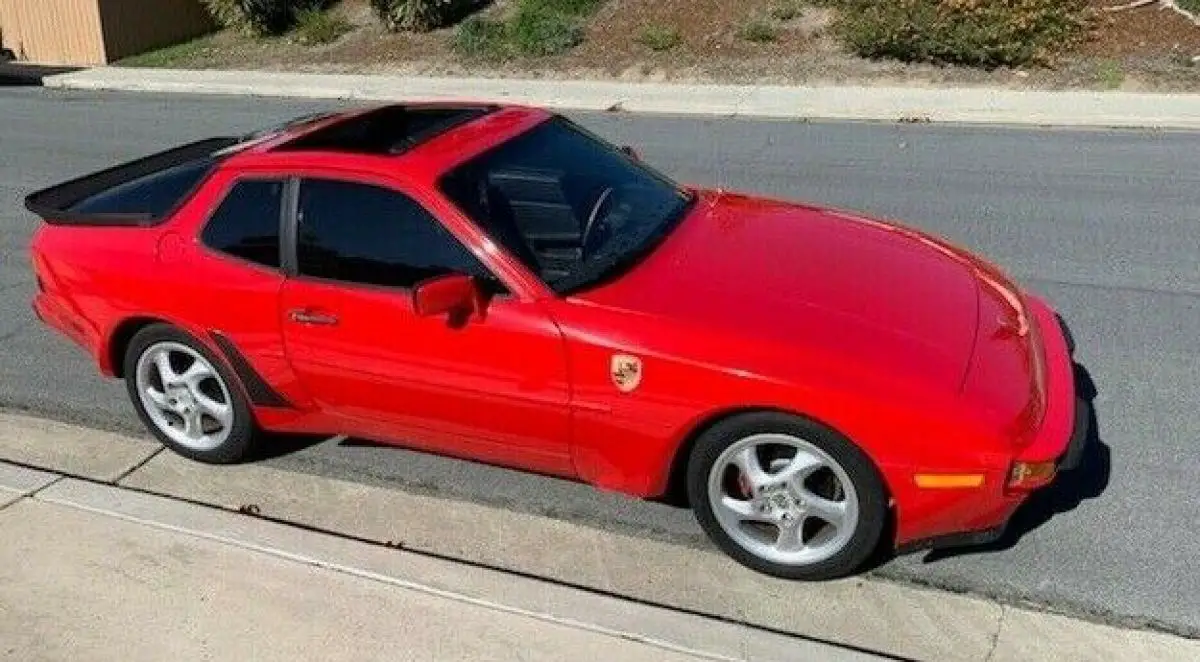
x: 448, y: 580
x: 891, y: 104
x: 83, y: 560
x: 890, y: 618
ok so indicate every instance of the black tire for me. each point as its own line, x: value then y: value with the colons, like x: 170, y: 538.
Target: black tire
x: 243, y: 437
x: 867, y: 482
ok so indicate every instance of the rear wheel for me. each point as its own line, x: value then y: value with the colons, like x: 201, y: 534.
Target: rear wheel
x: 186, y: 396
x: 787, y: 496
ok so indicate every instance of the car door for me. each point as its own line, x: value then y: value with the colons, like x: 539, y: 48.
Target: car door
x: 493, y: 388
x: 229, y: 288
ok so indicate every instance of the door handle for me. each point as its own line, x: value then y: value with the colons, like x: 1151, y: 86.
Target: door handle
x: 305, y: 316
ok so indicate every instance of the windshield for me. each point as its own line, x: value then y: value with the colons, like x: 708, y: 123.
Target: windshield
x: 573, y: 207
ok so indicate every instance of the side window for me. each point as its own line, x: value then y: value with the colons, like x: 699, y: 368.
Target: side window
x: 246, y: 224
x: 366, y: 234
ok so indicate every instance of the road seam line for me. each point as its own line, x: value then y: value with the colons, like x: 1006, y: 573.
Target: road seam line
x: 22, y: 496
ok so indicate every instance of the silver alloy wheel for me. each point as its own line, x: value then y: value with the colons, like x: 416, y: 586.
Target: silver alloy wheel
x: 184, y: 396
x: 783, y: 499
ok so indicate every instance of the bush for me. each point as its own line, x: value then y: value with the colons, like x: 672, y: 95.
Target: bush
x: 984, y: 33
x: 537, y: 28
x: 227, y: 13
x: 540, y: 29
x: 567, y: 7
x: 480, y: 37
x: 259, y: 17
x: 270, y: 16
x: 758, y: 31
x: 659, y: 38
x: 421, y: 15
x: 785, y: 11
x: 316, y: 26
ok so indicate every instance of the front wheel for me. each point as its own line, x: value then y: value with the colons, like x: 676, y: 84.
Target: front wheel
x: 187, y: 397
x: 787, y: 496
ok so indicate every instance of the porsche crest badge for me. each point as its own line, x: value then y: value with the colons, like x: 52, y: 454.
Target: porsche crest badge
x: 626, y: 372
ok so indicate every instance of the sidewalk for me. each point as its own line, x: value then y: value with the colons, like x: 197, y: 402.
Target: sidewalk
x: 83, y: 579
x: 888, y: 104
x: 113, y: 549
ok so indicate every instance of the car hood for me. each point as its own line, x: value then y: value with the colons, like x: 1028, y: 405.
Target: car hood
x: 846, y: 287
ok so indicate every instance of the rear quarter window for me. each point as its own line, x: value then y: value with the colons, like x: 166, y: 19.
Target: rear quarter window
x: 153, y: 195
x: 246, y: 223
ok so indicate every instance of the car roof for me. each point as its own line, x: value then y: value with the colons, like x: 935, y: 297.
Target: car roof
x: 422, y: 139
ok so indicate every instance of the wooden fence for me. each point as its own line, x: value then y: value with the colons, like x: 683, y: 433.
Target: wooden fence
x: 95, y: 32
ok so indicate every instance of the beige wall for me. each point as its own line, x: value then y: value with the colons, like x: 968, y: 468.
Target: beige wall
x: 53, y: 31
x: 92, y: 32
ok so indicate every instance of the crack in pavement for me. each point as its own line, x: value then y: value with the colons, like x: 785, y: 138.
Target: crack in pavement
x: 19, y: 329
x: 991, y: 654
x: 12, y: 286
x: 1115, y: 287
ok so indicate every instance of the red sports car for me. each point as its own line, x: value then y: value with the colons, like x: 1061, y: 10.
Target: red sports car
x: 497, y: 283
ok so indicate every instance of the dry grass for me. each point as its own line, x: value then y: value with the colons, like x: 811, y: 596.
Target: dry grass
x: 685, y: 40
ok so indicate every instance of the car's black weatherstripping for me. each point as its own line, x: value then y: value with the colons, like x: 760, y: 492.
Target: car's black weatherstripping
x: 147, y: 191
x: 68, y: 203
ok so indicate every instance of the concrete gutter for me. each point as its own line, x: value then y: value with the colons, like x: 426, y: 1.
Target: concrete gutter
x: 698, y: 597
x: 1076, y: 108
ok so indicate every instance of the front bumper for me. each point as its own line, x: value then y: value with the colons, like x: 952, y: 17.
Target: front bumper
x: 1081, y: 433
x: 1063, y: 438
x: 1060, y: 423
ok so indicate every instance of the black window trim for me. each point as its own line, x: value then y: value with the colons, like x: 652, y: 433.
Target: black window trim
x: 467, y: 113
x: 55, y: 204
x: 289, y: 219
x: 289, y: 237
x: 283, y: 224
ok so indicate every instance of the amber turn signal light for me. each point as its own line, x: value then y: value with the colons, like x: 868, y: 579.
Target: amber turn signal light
x: 1031, y: 475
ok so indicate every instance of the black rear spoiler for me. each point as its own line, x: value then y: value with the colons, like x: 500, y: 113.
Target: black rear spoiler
x: 57, y: 204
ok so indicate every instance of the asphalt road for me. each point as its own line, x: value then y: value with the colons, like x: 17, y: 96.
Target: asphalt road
x: 1107, y: 224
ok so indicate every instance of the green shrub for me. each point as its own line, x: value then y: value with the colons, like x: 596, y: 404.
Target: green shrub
x: 536, y: 28
x: 480, y: 37
x: 260, y: 17
x: 270, y: 16
x: 1109, y: 74
x: 421, y: 15
x: 784, y: 11
x: 540, y: 29
x: 227, y: 13
x: 659, y: 37
x: 567, y: 7
x: 984, y: 33
x: 758, y: 31
x: 316, y: 26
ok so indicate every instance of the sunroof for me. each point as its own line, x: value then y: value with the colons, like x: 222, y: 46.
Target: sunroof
x: 386, y: 130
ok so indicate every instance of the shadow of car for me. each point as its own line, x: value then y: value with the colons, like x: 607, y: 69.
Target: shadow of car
x: 20, y: 74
